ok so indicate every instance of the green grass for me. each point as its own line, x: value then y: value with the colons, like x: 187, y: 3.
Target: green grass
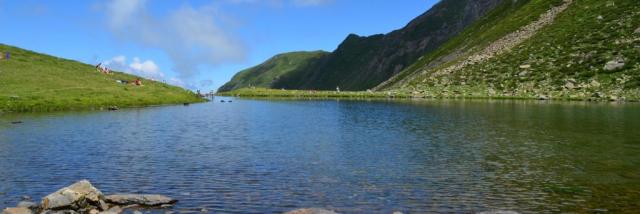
x: 31, y: 81
x: 575, y: 47
x: 265, y: 74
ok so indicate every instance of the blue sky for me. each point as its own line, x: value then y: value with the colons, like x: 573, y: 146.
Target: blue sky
x: 199, y: 44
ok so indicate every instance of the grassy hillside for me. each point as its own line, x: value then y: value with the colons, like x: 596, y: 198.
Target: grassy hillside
x: 31, y: 81
x: 590, y: 51
x: 265, y: 74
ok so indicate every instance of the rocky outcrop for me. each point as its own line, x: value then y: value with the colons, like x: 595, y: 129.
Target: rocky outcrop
x: 77, y: 195
x: 83, y: 197
x: 311, y: 211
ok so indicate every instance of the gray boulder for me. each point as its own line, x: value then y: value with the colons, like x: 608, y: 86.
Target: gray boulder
x: 17, y: 210
x: 75, y: 196
x: 28, y: 205
x: 614, y: 64
x: 142, y: 199
x: 637, y: 31
x: 311, y: 211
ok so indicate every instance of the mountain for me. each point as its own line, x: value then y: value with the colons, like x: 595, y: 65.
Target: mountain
x: 269, y: 72
x: 580, y: 49
x: 360, y: 63
x: 31, y: 81
x: 546, y: 49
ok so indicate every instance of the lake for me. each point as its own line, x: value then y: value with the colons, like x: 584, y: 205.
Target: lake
x: 271, y: 156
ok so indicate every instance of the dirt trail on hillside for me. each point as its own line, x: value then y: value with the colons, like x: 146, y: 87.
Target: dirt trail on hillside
x: 501, y: 45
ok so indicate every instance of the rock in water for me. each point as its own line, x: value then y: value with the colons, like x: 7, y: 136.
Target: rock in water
x: 17, y: 210
x: 28, y: 204
x: 74, y: 195
x: 311, y: 211
x: 144, y: 200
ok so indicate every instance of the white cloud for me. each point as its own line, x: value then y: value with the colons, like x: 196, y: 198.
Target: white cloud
x: 147, y: 68
x: 191, y: 37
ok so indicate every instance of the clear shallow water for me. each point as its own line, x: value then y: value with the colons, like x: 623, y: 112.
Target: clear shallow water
x: 269, y: 156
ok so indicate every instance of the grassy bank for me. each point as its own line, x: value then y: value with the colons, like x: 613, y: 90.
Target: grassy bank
x: 460, y: 92
x: 31, y: 81
x: 263, y: 92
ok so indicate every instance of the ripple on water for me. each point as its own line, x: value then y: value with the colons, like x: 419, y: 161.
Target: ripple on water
x: 353, y: 157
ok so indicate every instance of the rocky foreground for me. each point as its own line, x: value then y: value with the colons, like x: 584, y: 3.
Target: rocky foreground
x: 82, y: 197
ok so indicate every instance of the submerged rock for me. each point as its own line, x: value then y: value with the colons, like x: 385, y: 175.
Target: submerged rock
x: 311, y: 211
x: 75, y: 196
x: 28, y: 204
x: 144, y: 200
x: 17, y: 210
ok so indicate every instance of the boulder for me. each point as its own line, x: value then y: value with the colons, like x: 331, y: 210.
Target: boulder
x: 637, y: 31
x: 59, y: 212
x: 113, y: 210
x: 311, y: 211
x: 17, y: 210
x: 75, y: 196
x: 569, y: 85
x: 613, y: 65
x: 28, y: 204
x: 143, y: 200
x: 543, y: 97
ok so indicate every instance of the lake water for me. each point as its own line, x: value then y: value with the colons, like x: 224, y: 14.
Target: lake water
x: 270, y: 156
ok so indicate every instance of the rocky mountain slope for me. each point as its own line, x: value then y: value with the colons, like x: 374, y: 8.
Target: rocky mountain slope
x: 561, y: 49
x: 269, y: 72
x: 361, y: 63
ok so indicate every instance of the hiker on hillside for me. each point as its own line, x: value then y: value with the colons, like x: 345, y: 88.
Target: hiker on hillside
x: 8, y: 55
x: 98, y: 67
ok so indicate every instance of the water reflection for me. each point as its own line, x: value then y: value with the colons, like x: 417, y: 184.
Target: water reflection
x: 256, y: 156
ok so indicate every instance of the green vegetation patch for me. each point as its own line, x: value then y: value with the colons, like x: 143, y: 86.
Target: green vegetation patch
x: 31, y: 81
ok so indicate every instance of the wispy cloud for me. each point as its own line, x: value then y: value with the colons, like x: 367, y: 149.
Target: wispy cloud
x: 191, y: 37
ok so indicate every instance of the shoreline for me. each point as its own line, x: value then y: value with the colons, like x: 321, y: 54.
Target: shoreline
x: 105, y: 107
x: 295, y: 94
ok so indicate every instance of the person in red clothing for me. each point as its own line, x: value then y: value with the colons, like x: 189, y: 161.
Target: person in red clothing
x: 138, y: 82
